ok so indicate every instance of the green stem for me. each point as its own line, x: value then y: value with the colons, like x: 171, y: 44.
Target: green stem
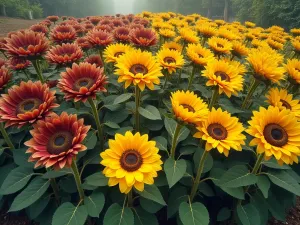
x: 214, y: 98
x: 191, y: 78
x: 6, y: 137
x: 130, y: 199
x: 77, y: 105
x: 179, y: 77
x: 137, y: 105
x: 198, y: 175
x: 251, y: 91
x: 36, y: 66
x: 55, y: 190
x: 166, y: 81
x: 26, y: 74
x: 77, y: 179
x: 174, y: 141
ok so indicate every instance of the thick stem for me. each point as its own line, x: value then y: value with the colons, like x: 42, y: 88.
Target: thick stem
x: 166, y: 81
x: 130, y: 199
x: 137, y: 105
x: 251, y: 91
x: 6, y: 137
x: 198, y: 175
x: 191, y: 78
x: 36, y: 66
x: 55, y: 190
x: 214, y: 98
x: 174, y: 141
x: 77, y: 179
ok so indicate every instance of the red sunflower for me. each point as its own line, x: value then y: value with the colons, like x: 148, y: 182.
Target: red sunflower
x: 83, y: 43
x: 16, y: 63
x: 39, y: 28
x: 99, y: 38
x: 2, y: 62
x: 63, y: 34
x: 53, y: 18
x: 94, y: 59
x: 143, y: 37
x: 122, y: 34
x: 5, y: 76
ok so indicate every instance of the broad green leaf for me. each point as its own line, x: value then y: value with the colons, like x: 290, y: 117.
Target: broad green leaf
x: 183, y: 134
x: 16, y: 180
x: 161, y: 143
x: 208, y: 162
x: 259, y: 202
x: 276, y: 208
x: 68, y: 184
x: 68, y: 214
x: 54, y: 174
x: 141, y: 217
x: 170, y: 126
x: 264, y: 185
x: 150, y: 206
x: 174, y: 170
x: 152, y: 192
x: 116, y: 215
x: 97, y: 179
x: 235, y: 192
x: 248, y: 214
x: 237, y: 176
x: 150, y: 112
x: 91, y: 140
x: 37, y: 208
x: 37, y: 187
x: 21, y: 158
x: 122, y: 98
x: 272, y: 163
x: 223, y: 214
x: 94, y: 203
x: 205, y: 189
x: 117, y: 116
x: 285, y: 181
x: 193, y: 214
x: 188, y: 150
x: 177, y: 196
x: 112, y: 125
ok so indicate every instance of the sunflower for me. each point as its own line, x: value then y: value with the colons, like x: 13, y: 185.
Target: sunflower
x: 26, y: 103
x: 83, y: 43
x: 188, y: 35
x: 80, y: 30
x: 228, y: 34
x: 99, y: 38
x: 238, y: 49
x: 293, y: 69
x: 219, y: 45
x: 275, y: 44
x: 39, y: 28
x: 131, y: 161
x: 221, y: 131
x: 53, y: 18
x: 281, y: 99
x: 138, y: 67
x: 105, y: 28
x: 16, y: 63
x: 170, y: 59
x: 56, y: 141
x: 296, y: 45
x: 94, y: 20
x: 63, y: 34
x: 5, y: 76
x: 225, y: 76
x: 276, y: 133
x: 199, y: 55
x: 144, y: 37
x: 188, y: 107
x: 82, y: 81
x: 122, y: 34
x: 114, y: 51
x: 173, y: 46
x: 167, y: 33
x: 206, y: 30
x: 249, y: 24
x: 94, y: 59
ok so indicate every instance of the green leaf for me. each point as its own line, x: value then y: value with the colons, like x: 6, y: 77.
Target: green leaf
x: 205, y: 189
x: 97, y: 179
x: 112, y: 125
x: 237, y: 176
x: 174, y: 170
x: 141, y: 217
x: 91, y: 140
x: 94, y: 203
x: 16, y: 180
x: 152, y: 192
x: 150, y: 112
x: 177, y: 196
x: 68, y: 214
x: 37, y: 208
x: 150, y: 206
x: 188, y: 150
x: 122, y: 98
x: 223, y: 214
x: 37, y: 187
x: 285, y: 181
x: 117, y: 116
x: 272, y: 163
x: 235, y: 192
x: 54, y: 174
x: 193, y: 214
x: 208, y: 164
x: 259, y: 202
x: 264, y: 185
x: 170, y: 126
x: 21, y: 158
x: 161, y: 143
x: 183, y: 134
x: 248, y: 214
x: 116, y: 215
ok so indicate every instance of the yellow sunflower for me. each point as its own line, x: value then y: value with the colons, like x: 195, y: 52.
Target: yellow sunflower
x: 167, y: 33
x: 170, y: 59
x: 293, y: 69
x: 206, y: 30
x: 238, y: 49
x: 276, y: 133
x: 188, y: 35
x: 249, y: 24
x: 221, y: 131
x: 199, y: 55
x: 228, y: 34
x: 283, y: 100
x: 188, y: 107
x: 131, y: 161
x: 114, y: 51
x: 138, y: 67
x: 296, y: 45
x: 224, y: 76
x: 173, y: 46
x: 295, y: 31
x: 275, y: 44
x: 220, y: 45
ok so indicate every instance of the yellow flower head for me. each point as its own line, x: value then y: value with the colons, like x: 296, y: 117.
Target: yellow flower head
x: 114, y: 51
x: 238, y: 49
x: 170, y: 59
x: 228, y: 34
x: 275, y: 44
x: 188, y: 107
x: 249, y: 24
x: 293, y: 69
x: 225, y: 76
x: 295, y: 31
x: 173, y: 46
x: 296, y: 45
x: 167, y: 33
x: 206, y: 30
x: 220, y: 22
x: 131, y: 161
x: 276, y: 133
x: 221, y: 131
x: 199, y: 55
x: 188, y: 35
x: 138, y: 67
x: 220, y: 45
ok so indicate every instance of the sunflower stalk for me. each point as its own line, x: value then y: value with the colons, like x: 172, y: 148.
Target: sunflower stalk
x: 174, y: 141
x: 166, y: 81
x: 137, y: 105
x: 130, y: 199
x: 6, y: 137
x: 36, y: 65
x: 214, y: 98
x: 55, y: 190
x: 191, y: 78
x: 250, y: 93
x: 77, y: 179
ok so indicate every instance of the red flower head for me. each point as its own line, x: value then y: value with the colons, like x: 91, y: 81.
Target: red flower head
x: 57, y: 140
x: 2, y: 62
x: 39, y: 28
x: 83, y: 43
x: 26, y: 103
x: 82, y: 81
x: 30, y: 45
x: 94, y: 20
x: 53, y: 18
x: 88, y: 27
x: 2, y: 44
x: 125, y: 22
x: 117, y: 23
x: 122, y: 34
x: 5, y: 76
x: 106, y: 22
x: 99, y: 38
x: 63, y: 34
x: 80, y: 30
x: 136, y: 26
x: 94, y: 59
x: 16, y: 63
x: 64, y: 54
x: 52, y: 83
x: 46, y: 23
x: 144, y: 37
x: 104, y: 27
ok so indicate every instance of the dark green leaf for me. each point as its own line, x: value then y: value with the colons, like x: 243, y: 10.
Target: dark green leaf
x: 264, y: 185
x: 152, y: 192
x: 56, y: 173
x: 97, y: 179
x: 235, y: 192
x: 150, y: 206
x: 248, y: 214
x: 91, y: 140
x: 116, y: 215
x: 208, y: 162
x: 174, y: 170
x: 193, y: 214
x: 177, y: 196
x: 112, y: 125
x: 205, y: 189
x: 224, y: 214
x: 122, y: 98
x: 37, y: 208
x: 68, y: 214
x: 68, y: 184
x: 188, y: 150
x: 94, y: 203
x: 161, y: 143
x: 272, y: 163
x: 141, y: 217
x: 21, y: 158
x: 259, y: 202
x: 150, y: 112
x: 116, y: 117
x: 284, y: 180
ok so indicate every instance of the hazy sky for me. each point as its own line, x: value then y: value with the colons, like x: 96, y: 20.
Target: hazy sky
x: 123, y: 6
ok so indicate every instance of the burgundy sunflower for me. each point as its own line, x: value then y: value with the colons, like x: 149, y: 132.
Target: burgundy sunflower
x: 83, y: 43
x: 28, y: 44
x: 39, y: 28
x: 2, y: 44
x: 63, y: 34
x: 64, y: 54
x: 136, y: 26
x: 117, y: 23
x: 104, y: 27
x: 94, y: 59
x: 47, y: 23
x: 53, y: 18
x: 57, y: 140
x: 16, y: 63
x: 99, y: 38
x: 143, y: 37
x: 82, y: 81
x: 122, y: 34
x: 5, y: 76
x: 2, y: 62
x: 88, y: 26
x: 80, y: 30
x: 94, y: 20
x: 26, y: 103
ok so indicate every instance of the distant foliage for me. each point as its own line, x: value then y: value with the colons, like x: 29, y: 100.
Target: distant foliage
x: 21, y: 8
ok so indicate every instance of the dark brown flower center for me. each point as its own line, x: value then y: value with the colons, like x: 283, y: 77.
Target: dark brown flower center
x: 275, y: 135
x: 169, y: 60
x: 285, y: 104
x: 28, y: 105
x: 200, y: 55
x: 188, y: 107
x: 223, y: 75
x: 83, y: 82
x: 138, y: 68
x: 173, y: 49
x: 131, y: 160
x: 297, y: 69
x: 60, y: 142
x: 220, y: 45
x: 217, y: 131
x: 117, y: 54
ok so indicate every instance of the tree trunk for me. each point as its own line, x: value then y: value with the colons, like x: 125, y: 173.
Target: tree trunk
x: 226, y: 10
x: 3, y: 11
x: 209, y: 9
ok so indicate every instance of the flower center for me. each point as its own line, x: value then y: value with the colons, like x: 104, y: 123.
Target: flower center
x: 297, y: 69
x: 169, y: 60
x: 138, y: 68
x: 131, y: 160
x: 217, y: 131
x: 28, y: 105
x: 60, y: 142
x: 200, y: 55
x: 285, y: 104
x: 220, y: 45
x: 117, y: 54
x: 83, y: 82
x: 275, y: 135
x: 223, y: 75
x: 188, y: 107
x: 173, y: 49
